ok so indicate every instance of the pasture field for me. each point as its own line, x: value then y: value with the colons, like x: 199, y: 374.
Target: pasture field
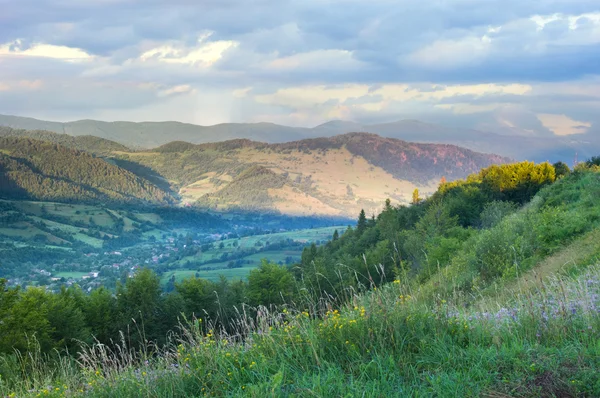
x: 213, y: 271
x: 67, y: 275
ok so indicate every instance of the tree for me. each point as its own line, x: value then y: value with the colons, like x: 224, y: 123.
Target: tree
x: 270, y: 284
x: 67, y: 321
x: 199, y: 296
x: 336, y: 235
x: 561, y: 169
x: 139, y: 301
x: 415, y: 197
x: 24, y: 317
x: 362, y: 223
x: 100, y: 312
x: 388, y: 205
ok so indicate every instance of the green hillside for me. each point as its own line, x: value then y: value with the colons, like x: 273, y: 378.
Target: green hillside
x: 31, y: 169
x: 489, y: 288
x: 87, y: 143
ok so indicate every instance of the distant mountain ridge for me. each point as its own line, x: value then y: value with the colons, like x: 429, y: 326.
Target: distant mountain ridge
x: 153, y: 134
x: 327, y: 176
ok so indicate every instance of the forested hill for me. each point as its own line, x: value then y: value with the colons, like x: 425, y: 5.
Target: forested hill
x: 88, y: 143
x: 404, y: 160
x: 335, y: 176
x: 32, y: 169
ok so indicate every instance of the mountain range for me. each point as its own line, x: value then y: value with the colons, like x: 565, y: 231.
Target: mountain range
x: 326, y: 176
x: 147, y: 135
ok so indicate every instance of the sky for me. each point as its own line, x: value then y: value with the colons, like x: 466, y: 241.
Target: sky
x: 509, y: 66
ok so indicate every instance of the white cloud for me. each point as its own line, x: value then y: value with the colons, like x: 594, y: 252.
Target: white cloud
x: 304, y: 96
x: 44, y: 50
x: 463, y: 108
x: 21, y: 85
x: 319, y: 59
x: 443, y: 54
x: 181, y: 89
x: 204, y: 54
x: 562, y: 124
x: 376, y: 95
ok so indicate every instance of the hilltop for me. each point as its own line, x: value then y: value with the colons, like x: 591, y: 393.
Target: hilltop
x: 87, y: 143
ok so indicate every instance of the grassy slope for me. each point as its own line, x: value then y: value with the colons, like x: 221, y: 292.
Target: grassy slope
x: 390, y: 342
x: 539, y: 338
x: 213, y: 271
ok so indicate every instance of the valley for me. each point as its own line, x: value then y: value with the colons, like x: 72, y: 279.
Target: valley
x: 56, y: 244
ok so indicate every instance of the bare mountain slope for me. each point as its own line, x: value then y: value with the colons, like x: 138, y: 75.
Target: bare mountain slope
x: 325, y: 176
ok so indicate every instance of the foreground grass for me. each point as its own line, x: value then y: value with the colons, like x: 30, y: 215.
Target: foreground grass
x: 391, y: 342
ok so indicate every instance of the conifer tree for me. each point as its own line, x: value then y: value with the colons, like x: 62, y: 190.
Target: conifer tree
x: 362, y: 222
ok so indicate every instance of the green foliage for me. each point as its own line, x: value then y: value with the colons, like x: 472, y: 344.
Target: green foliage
x: 561, y: 169
x: 494, y: 212
x: 139, y: 301
x: 87, y: 143
x: 270, y: 284
x: 32, y: 169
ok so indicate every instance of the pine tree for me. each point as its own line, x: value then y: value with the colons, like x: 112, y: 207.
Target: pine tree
x: 388, y: 205
x: 336, y: 235
x: 362, y: 222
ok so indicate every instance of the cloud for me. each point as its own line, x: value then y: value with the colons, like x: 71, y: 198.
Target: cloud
x: 563, y: 125
x: 181, y: 89
x: 17, y: 49
x: 495, y: 64
x: 203, y: 54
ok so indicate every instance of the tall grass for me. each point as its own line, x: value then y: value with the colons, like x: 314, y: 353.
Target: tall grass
x: 392, y: 341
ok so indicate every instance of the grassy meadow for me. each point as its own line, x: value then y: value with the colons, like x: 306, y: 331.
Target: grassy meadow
x: 394, y: 341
